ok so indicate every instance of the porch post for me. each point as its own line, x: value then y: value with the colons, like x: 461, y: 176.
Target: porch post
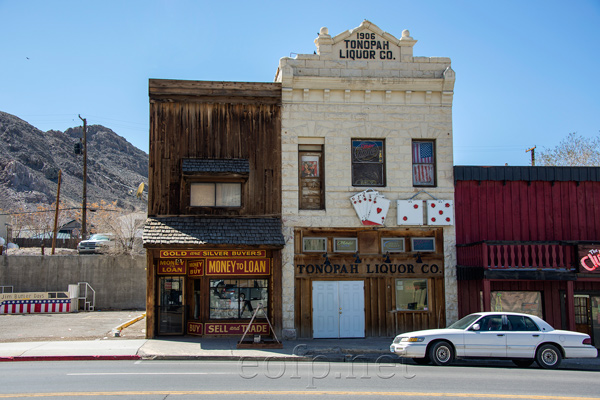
x: 570, y: 309
x: 486, y: 295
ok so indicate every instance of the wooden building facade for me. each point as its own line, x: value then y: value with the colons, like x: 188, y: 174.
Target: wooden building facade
x: 213, y: 234
x: 528, y: 240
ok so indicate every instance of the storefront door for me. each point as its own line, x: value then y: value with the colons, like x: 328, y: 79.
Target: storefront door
x: 338, y: 309
x: 171, y: 308
x: 583, y: 314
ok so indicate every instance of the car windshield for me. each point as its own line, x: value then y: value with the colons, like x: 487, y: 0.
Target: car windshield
x: 98, y: 236
x: 465, y: 322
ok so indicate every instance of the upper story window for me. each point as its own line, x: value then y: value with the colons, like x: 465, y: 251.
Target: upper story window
x: 214, y: 182
x: 368, y: 162
x: 311, y: 177
x: 215, y: 194
x: 423, y: 160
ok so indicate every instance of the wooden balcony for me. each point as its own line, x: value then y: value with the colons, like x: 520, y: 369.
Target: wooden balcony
x: 502, y: 255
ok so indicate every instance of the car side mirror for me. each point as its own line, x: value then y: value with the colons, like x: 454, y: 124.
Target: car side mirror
x: 476, y: 327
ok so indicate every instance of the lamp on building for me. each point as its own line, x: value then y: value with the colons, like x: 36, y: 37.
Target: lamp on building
x: 418, y: 257
x: 357, y: 260
x: 327, y: 262
x: 387, y: 258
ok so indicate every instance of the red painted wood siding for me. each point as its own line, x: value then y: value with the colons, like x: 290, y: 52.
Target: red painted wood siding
x: 518, y: 211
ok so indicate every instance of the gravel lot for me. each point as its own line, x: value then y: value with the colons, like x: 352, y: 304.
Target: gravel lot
x: 94, y: 325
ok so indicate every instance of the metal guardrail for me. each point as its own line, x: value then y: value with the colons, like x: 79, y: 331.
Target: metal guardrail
x: 89, y: 297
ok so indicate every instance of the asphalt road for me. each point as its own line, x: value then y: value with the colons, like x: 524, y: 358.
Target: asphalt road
x: 292, y: 380
x: 69, y: 326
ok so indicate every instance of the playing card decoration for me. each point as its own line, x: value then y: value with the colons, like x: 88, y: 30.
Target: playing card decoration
x: 440, y: 212
x: 410, y: 212
x: 370, y: 206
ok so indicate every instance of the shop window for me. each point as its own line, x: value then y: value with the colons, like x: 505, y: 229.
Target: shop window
x: 515, y: 301
x: 411, y: 295
x: 237, y: 298
x: 392, y: 245
x: 423, y: 244
x: 345, y: 245
x: 215, y: 194
x: 423, y: 161
x: 368, y: 162
x: 311, y: 177
x: 314, y: 244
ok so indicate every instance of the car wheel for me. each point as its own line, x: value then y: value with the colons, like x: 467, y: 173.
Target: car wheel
x: 523, y: 363
x: 422, y: 361
x: 441, y: 353
x: 548, y: 356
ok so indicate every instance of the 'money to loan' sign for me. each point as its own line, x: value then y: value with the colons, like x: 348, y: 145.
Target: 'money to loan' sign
x: 238, y: 266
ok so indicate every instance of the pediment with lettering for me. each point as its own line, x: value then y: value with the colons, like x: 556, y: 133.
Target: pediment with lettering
x: 367, y: 42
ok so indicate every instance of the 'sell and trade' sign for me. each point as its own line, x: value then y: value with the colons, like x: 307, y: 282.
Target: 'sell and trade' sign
x: 234, y: 328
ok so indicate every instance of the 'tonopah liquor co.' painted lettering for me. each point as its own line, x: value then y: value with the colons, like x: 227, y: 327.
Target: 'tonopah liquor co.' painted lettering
x: 366, y: 46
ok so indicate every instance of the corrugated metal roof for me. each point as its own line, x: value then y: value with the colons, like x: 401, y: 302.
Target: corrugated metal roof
x: 510, y: 173
x: 232, y: 166
x: 200, y: 230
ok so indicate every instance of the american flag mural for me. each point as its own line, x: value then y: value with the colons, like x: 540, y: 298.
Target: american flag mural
x: 35, y: 306
x: 423, y: 173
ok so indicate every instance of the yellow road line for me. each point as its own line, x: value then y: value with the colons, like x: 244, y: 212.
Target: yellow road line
x: 307, y: 393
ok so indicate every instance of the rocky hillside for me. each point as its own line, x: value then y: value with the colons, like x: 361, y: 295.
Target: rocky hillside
x: 31, y: 159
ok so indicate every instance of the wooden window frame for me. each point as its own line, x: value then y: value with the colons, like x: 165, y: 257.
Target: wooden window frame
x: 416, y: 164
x: 426, y: 308
x: 317, y: 151
x: 412, y: 246
x: 336, y: 250
x: 357, y: 160
x: 399, y: 239
x: 304, y: 250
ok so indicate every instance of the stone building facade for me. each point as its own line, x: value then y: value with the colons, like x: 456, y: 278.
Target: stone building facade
x: 363, y: 90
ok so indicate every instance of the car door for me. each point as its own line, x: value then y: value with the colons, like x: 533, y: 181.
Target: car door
x: 489, y: 340
x: 522, y: 337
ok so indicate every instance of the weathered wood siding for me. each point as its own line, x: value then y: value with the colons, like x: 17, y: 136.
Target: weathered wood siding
x: 190, y: 119
x: 527, y: 211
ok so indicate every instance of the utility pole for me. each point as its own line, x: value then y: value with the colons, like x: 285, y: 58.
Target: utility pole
x: 55, y: 232
x: 532, y: 150
x: 84, y: 203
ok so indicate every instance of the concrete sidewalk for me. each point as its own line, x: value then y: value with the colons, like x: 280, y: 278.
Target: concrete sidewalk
x: 195, y: 349
x: 91, y: 336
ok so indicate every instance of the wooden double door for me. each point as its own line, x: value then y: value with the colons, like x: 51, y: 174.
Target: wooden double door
x: 338, y: 309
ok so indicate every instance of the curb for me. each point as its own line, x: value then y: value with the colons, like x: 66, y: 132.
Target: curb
x: 117, y: 331
x: 68, y: 358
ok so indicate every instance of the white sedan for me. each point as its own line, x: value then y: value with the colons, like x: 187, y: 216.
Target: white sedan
x: 522, y: 338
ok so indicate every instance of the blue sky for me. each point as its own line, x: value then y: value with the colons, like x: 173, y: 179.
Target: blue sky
x: 526, y: 71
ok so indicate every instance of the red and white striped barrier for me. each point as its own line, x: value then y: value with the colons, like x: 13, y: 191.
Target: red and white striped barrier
x: 35, y: 306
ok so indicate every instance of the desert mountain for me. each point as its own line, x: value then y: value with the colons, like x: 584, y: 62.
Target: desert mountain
x: 30, y: 161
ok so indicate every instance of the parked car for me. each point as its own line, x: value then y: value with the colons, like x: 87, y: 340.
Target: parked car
x: 522, y: 338
x: 97, y: 243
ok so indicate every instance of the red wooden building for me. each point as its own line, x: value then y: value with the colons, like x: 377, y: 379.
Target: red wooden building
x: 528, y: 240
